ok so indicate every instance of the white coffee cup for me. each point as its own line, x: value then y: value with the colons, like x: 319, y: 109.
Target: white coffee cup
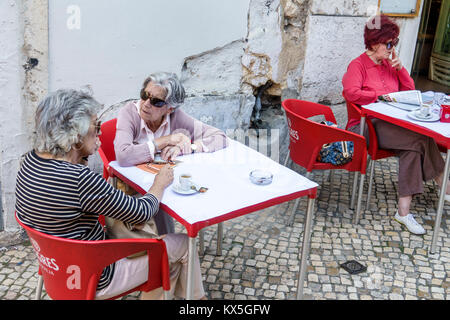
x: 185, y: 181
x: 424, y: 110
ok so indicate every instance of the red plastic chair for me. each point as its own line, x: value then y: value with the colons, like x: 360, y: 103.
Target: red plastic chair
x: 70, y: 269
x: 307, y: 138
x: 106, y: 150
x: 375, y: 153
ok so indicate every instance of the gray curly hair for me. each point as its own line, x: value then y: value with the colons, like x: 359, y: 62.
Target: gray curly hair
x: 62, y: 119
x: 172, y: 85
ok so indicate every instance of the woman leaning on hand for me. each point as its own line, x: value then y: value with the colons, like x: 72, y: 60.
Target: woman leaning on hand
x: 379, y: 71
x: 57, y: 195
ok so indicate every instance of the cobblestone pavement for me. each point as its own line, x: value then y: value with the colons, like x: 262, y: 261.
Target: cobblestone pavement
x: 260, y: 256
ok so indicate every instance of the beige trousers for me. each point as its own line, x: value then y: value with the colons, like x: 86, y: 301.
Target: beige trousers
x: 129, y: 273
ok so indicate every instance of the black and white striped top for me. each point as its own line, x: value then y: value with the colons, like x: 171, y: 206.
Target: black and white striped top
x: 64, y: 199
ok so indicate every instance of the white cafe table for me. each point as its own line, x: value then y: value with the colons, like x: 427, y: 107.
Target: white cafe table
x: 439, y: 131
x: 230, y: 193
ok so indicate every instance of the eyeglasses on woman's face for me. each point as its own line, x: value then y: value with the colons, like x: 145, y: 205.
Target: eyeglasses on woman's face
x: 392, y: 43
x: 159, y: 103
x: 98, y: 127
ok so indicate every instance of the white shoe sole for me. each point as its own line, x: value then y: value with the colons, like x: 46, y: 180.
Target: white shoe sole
x: 403, y: 224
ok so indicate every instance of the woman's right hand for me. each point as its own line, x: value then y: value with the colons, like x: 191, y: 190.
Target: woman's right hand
x: 162, y: 180
x: 164, y: 176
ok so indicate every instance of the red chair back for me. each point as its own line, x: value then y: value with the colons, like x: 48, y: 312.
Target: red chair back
x: 307, y: 137
x: 71, y: 268
x: 354, y: 112
x: 106, y: 150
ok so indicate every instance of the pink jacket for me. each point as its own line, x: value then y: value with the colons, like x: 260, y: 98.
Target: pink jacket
x: 129, y: 153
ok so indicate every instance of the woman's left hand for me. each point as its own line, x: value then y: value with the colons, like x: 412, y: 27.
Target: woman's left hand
x: 170, y: 152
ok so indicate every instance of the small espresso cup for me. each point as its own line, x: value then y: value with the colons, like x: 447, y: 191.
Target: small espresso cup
x: 425, y: 110
x: 185, y: 181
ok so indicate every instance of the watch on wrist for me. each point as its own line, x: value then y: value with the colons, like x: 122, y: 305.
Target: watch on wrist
x: 193, y: 147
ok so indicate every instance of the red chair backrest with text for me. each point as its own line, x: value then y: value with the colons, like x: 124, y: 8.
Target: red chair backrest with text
x: 71, y: 268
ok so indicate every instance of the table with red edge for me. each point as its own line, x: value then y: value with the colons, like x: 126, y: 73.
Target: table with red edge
x: 439, y: 131
x: 230, y: 194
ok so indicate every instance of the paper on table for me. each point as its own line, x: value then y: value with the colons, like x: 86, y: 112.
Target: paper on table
x: 408, y: 96
x: 153, y: 167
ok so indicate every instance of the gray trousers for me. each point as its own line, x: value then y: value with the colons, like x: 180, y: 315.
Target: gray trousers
x: 419, y: 156
x: 164, y: 222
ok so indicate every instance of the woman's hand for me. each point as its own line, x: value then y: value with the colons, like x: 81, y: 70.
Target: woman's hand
x: 162, y: 180
x: 176, y: 139
x: 395, y: 61
x: 179, y: 139
x: 164, y: 176
x: 171, y: 152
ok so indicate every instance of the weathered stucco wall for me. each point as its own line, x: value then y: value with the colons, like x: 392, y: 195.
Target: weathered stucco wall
x: 23, y: 81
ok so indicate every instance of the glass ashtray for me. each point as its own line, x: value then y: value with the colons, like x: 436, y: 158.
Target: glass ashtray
x: 261, y: 177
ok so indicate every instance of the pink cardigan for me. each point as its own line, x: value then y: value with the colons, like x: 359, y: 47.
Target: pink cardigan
x: 129, y: 153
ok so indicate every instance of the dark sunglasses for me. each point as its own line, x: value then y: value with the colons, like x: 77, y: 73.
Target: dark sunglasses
x: 392, y: 44
x: 153, y: 101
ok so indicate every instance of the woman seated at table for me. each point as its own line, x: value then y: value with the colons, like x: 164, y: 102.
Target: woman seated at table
x: 155, y: 124
x: 379, y: 71
x: 58, y: 195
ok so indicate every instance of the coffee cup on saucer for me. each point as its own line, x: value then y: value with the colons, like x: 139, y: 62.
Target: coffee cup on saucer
x: 424, y: 111
x: 185, y: 180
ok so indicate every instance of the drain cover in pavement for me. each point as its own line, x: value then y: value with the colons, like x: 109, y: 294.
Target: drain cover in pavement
x: 353, y: 267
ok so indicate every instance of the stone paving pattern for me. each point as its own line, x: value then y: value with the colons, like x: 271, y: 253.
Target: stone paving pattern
x: 260, y: 256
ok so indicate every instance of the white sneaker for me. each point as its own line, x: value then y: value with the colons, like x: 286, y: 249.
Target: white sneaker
x: 410, y: 223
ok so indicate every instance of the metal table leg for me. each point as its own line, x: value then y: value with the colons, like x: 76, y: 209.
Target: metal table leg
x: 190, y: 276
x: 219, y: 238
x: 437, y: 223
x: 305, y: 248
x: 201, y: 239
x: 355, y: 179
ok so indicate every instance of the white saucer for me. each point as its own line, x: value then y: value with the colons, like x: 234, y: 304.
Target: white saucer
x: 432, y: 117
x: 177, y: 188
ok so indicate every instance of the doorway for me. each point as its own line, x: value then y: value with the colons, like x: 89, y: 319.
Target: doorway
x: 433, y: 31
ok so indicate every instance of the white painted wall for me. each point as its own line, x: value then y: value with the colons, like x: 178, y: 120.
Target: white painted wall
x: 11, y: 114
x: 120, y: 42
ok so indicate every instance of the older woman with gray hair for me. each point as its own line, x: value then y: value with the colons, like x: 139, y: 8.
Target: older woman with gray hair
x: 155, y: 124
x: 57, y: 195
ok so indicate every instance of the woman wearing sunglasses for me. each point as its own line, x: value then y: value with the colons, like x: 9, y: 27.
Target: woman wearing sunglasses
x: 379, y: 71
x: 155, y: 124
